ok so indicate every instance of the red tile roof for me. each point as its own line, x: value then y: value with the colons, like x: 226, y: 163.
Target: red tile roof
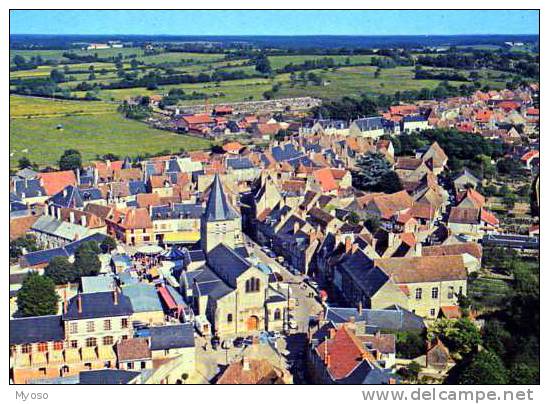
x: 423, y: 269
x: 325, y: 178
x: 471, y: 248
x: 55, y: 181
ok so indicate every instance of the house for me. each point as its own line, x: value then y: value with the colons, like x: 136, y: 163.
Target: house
x: 465, y: 179
x: 254, y: 371
x: 171, y: 341
x: 97, y: 319
x: 471, y: 253
x: 134, y: 353
x: 367, y: 127
x: 55, y: 181
x: 428, y: 282
x: 413, y: 123
x: 132, y: 226
x: 337, y: 356
x: 529, y: 159
x: 146, y: 304
x: 472, y: 222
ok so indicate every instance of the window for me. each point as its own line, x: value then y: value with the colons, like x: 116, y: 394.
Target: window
x: 42, y: 347
x: 42, y: 371
x: 107, y: 325
x: 451, y: 292
x: 277, y: 314
x: 130, y: 365
x: 90, y: 326
x: 252, y: 285
x: 143, y: 365
x: 108, y: 340
x: 58, y: 345
x: 419, y: 292
x: 229, y: 318
x: 73, y: 328
x: 91, y: 341
x: 26, y: 348
x: 74, y: 343
x: 124, y: 323
x: 461, y: 290
x: 432, y: 312
x: 434, y: 293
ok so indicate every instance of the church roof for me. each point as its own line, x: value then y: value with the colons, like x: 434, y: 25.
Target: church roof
x: 218, y: 207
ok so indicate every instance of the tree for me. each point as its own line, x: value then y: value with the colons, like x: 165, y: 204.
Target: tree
x: 37, y: 296
x: 521, y: 373
x: 57, y: 76
x: 370, y: 169
x: 485, y: 367
x: 61, y: 271
x: 22, y: 245
x: 24, y: 162
x: 86, y: 260
x: 496, y: 338
x: 410, y: 344
x: 262, y: 64
x: 460, y: 336
x: 70, y: 160
x: 389, y: 183
x: 108, y: 244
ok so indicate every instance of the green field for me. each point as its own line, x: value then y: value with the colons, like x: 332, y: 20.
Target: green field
x: 94, y: 128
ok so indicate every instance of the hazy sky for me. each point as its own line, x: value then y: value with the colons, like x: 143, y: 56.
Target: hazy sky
x: 150, y: 22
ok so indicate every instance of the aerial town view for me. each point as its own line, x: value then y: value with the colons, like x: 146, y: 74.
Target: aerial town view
x: 292, y: 197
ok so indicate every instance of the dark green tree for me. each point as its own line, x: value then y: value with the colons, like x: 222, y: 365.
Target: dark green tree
x: 522, y: 373
x: 21, y: 245
x: 24, y: 162
x: 370, y: 169
x: 61, y: 271
x: 70, y: 160
x: 108, y: 244
x: 86, y: 260
x: 485, y: 367
x: 389, y: 183
x: 37, y: 296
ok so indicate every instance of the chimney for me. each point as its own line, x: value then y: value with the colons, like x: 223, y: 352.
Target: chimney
x: 296, y: 226
x: 71, y: 216
x: 348, y: 244
x: 115, y: 296
x: 332, y: 333
x: 245, y: 364
x: 65, y: 192
x: 84, y: 220
x: 328, y: 361
x: 79, y: 303
x: 354, y: 247
x: 360, y: 308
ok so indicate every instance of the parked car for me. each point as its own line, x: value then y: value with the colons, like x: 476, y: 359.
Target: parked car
x: 238, y: 342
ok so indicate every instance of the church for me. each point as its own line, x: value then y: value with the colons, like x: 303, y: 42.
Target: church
x: 232, y: 294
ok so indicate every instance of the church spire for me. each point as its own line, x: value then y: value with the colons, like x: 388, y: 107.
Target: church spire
x: 218, y: 208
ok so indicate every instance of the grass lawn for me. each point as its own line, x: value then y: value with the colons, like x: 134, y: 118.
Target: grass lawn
x: 91, y: 127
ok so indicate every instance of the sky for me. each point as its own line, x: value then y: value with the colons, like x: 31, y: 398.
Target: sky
x: 274, y: 22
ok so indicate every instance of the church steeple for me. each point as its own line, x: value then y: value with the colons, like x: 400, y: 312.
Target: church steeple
x: 220, y: 222
x: 218, y: 208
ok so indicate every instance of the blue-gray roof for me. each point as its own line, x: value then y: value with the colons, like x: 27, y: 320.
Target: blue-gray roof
x: 218, y: 208
x: 143, y: 297
x: 367, y: 124
x: 97, y: 305
x: 137, y: 187
x: 239, y: 163
x: 172, y: 336
x: 107, y: 376
x: 285, y: 152
x: 227, y: 263
x: 45, y: 256
x: 177, y: 211
x: 365, y: 275
x: 68, y: 197
x: 414, y: 118
x: 393, y: 318
x: 28, y: 188
x: 29, y: 330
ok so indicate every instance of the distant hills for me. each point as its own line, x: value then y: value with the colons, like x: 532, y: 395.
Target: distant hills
x: 22, y: 41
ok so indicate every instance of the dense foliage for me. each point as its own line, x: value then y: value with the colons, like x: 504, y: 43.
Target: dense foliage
x: 37, y: 296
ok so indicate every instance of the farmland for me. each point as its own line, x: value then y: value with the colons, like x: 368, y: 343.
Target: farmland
x: 45, y: 128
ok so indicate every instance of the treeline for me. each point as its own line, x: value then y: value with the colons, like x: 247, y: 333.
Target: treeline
x: 352, y: 108
x: 522, y: 63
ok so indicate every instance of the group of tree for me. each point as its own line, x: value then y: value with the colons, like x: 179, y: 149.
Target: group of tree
x: 375, y: 174
x: 71, y: 159
x: 139, y: 111
x: 22, y: 245
x: 262, y: 64
x: 86, y: 262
